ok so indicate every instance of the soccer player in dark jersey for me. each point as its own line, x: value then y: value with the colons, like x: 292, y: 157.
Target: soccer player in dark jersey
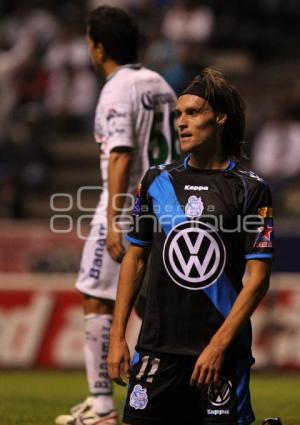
x: 207, y: 219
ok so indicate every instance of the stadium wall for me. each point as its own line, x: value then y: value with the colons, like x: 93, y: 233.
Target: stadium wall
x: 41, y: 323
x: 41, y: 320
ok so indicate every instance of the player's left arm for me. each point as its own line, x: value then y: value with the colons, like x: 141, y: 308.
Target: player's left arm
x: 118, y: 177
x: 209, y: 363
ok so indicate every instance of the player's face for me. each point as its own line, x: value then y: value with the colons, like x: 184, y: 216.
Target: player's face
x: 197, y: 123
x: 95, y: 54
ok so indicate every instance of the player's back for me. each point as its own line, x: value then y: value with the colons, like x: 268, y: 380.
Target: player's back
x: 151, y: 103
x: 136, y: 110
x: 155, y: 105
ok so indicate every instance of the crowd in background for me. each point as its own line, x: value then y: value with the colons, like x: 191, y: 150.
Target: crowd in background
x: 48, y: 89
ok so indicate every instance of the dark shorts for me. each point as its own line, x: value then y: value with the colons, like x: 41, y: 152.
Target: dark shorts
x: 159, y: 393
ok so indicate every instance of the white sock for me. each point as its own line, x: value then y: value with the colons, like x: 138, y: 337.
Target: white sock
x: 97, y: 328
x: 103, y: 404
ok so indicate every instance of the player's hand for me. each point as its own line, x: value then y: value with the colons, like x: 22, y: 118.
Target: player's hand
x: 118, y: 360
x: 208, y: 365
x: 114, y: 244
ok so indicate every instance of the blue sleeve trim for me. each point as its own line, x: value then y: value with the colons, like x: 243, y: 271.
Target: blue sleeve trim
x: 253, y: 256
x: 230, y: 165
x: 137, y: 241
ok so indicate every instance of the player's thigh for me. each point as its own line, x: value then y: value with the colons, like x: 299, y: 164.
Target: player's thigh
x: 98, y: 274
x: 151, y: 391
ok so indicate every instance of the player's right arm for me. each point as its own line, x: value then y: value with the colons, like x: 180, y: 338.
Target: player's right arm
x: 130, y: 279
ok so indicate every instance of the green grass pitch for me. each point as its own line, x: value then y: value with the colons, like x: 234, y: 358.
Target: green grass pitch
x: 37, y: 397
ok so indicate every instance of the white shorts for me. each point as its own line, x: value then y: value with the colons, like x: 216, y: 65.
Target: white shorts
x: 99, y: 273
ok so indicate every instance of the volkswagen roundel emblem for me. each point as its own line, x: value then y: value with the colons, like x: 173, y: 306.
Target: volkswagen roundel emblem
x: 194, y: 255
x: 219, y: 393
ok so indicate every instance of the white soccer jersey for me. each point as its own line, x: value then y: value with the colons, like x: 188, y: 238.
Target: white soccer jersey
x: 136, y: 110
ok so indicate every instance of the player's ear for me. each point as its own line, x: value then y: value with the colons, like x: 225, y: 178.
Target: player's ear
x: 100, y: 51
x: 221, y: 118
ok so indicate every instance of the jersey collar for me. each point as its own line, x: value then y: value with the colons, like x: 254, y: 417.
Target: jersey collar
x: 230, y: 166
x: 128, y: 65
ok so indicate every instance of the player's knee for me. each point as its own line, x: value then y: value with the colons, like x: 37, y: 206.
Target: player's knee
x: 97, y: 305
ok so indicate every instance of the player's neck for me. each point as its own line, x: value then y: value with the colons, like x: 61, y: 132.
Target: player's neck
x: 209, y: 156
x: 209, y: 162
x: 109, y: 67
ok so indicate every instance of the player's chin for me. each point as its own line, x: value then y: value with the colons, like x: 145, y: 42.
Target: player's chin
x: 186, y: 146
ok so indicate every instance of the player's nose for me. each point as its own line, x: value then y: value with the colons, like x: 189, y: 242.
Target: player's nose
x: 181, y: 121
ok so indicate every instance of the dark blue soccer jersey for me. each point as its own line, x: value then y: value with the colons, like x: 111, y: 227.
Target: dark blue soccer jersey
x: 203, y: 226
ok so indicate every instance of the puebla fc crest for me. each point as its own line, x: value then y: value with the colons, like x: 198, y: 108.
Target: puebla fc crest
x: 138, y: 397
x: 194, y: 207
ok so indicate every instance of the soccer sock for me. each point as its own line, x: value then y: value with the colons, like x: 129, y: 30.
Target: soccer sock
x: 97, y: 328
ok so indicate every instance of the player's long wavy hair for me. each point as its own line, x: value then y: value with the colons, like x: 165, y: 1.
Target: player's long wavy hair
x: 224, y: 97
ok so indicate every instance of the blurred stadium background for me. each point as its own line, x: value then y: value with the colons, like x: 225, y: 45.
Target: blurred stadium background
x: 48, y: 92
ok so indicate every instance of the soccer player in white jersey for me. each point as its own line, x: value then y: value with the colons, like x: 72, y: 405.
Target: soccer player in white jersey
x: 134, y: 126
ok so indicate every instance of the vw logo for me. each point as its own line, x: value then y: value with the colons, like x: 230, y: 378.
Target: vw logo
x: 219, y: 393
x: 194, y: 255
